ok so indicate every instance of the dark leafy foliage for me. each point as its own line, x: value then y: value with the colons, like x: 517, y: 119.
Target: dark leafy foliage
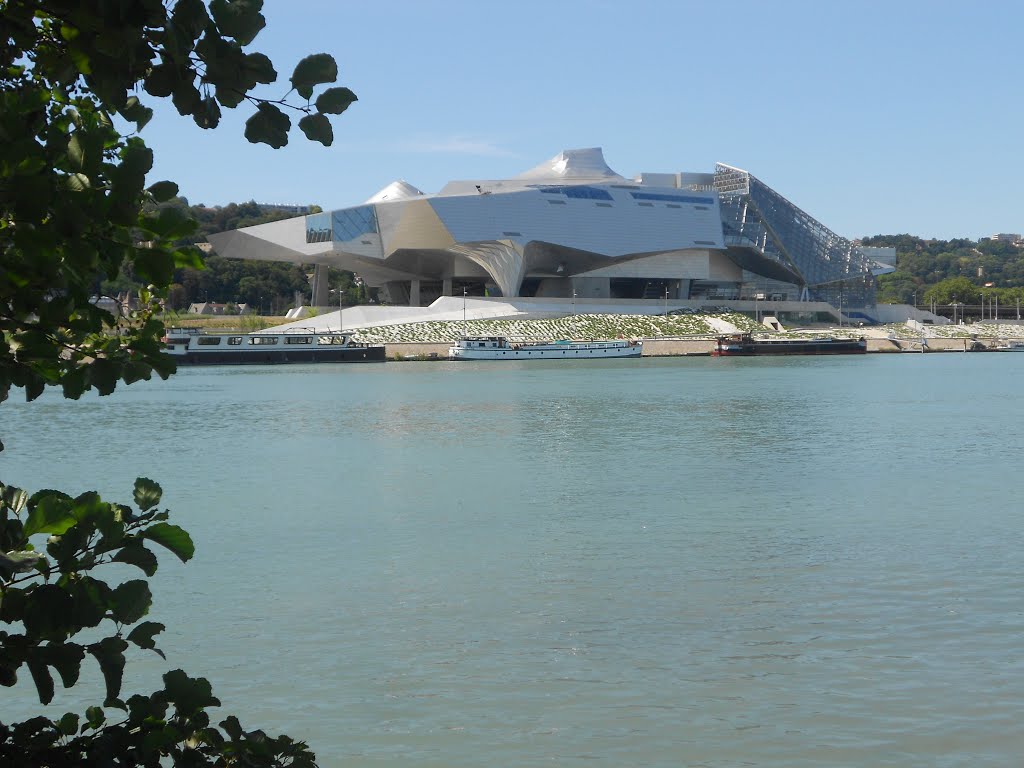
x: 74, y: 205
x: 75, y: 210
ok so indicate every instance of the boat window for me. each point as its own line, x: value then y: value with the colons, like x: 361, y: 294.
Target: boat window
x: 262, y: 340
x: 298, y: 339
x: 208, y: 341
x: 234, y: 341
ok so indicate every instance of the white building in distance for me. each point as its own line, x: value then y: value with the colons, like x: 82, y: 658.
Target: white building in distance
x: 574, y: 227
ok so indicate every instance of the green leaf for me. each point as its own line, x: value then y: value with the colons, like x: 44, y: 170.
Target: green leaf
x: 131, y: 601
x: 66, y: 658
x: 260, y: 68
x: 134, y: 111
x: 163, y: 191
x: 240, y: 19
x: 19, y: 562
x: 95, y: 717
x: 109, y: 652
x: 317, y: 128
x: 147, y: 493
x: 137, y: 555
x: 232, y: 727
x: 48, y: 612
x: 190, y: 16
x: 42, y: 678
x: 188, y: 695
x: 162, y: 80
x: 207, y: 115
x: 188, y: 256
x: 68, y: 724
x: 173, y: 538
x: 14, y: 498
x: 313, y: 70
x: 76, y: 152
x: 49, y: 513
x: 154, y: 264
x: 78, y: 182
x: 142, y: 635
x: 334, y: 101
x: 269, y: 125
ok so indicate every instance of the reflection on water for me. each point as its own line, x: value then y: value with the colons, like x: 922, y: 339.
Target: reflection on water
x: 656, y: 562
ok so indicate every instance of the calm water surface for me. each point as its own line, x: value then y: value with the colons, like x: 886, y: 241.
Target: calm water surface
x: 805, y: 562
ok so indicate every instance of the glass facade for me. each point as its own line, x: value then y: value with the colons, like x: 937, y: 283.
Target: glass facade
x: 672, y: 198
x: 341, y: 225
x: 754, y: 215
x: 579, y: 192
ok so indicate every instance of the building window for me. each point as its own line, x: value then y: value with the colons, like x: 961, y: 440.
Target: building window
x: 318, y: 228
x: 661, y: 197
x: 350, y: 223
x: 234, y: 341
x: 262, y: 340
x: 208, y: 341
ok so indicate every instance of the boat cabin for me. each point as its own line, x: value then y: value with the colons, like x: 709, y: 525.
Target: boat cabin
x: 482, y: 342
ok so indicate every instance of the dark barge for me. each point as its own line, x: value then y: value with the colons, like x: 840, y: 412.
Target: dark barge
x: 745, y: 345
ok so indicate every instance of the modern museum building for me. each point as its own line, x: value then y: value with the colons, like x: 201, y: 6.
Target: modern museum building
x: 572, y: 227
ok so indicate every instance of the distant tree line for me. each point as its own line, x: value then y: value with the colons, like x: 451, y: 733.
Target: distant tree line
x: 268, y: 287
x: 947, y: 271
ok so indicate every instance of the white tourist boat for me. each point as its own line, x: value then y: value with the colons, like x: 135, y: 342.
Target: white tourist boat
x: 1011, y: 346
x: 190, y: 346
x: 500, y: 348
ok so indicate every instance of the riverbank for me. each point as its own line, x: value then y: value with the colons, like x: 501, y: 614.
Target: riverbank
x: 663, y: 335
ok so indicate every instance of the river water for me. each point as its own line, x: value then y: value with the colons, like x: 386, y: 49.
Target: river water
x: 700, y: 562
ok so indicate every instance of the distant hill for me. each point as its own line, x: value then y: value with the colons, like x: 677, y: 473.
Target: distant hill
x: 950, y: 270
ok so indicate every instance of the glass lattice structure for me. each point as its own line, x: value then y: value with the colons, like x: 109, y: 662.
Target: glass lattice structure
x: 754, y: 215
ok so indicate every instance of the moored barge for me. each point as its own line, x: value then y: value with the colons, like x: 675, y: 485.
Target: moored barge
x: 500, y: 348
x: 745, y: 345
x: 190, y: 346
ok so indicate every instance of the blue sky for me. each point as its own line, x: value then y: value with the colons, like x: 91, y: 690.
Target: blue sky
x: 875, y: 117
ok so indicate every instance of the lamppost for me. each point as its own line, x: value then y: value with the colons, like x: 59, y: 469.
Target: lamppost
x: 666, y: 299
x: 982, y: 295
x: 574, y: 303
x: 463, y: 307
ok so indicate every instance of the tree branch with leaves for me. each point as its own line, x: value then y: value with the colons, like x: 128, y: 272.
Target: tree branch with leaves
x: 75, y: 207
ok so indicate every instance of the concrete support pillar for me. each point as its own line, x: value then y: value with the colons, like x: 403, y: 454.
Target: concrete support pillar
x: 321, y: 293
x: 446, y: 287
x: 414, y: 293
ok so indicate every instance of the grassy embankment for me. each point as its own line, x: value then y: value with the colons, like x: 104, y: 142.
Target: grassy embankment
x: 597, y: 326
